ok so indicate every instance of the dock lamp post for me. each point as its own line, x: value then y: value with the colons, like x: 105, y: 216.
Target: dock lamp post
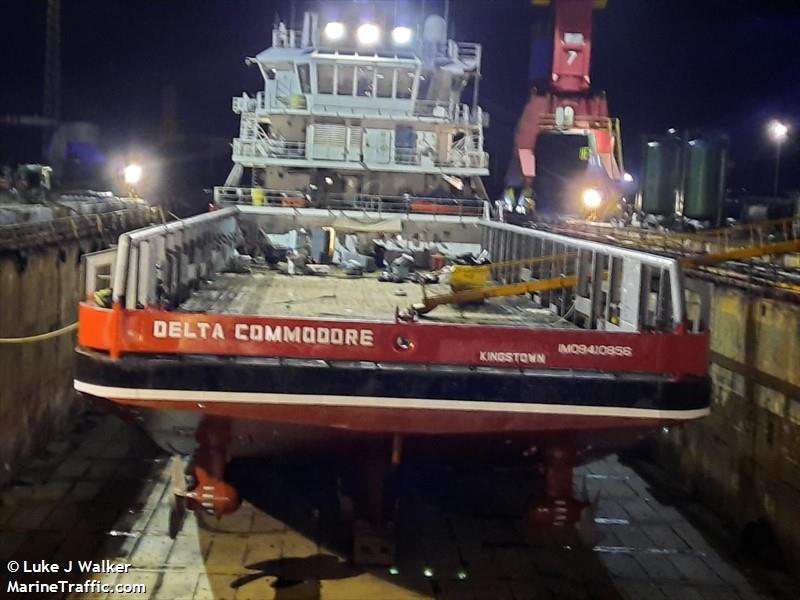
x: 778, y: 132
x: 132, y: 174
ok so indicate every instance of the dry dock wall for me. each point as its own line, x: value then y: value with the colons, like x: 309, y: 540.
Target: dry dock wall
x: 35, y: 395
x: 39, y: 292
x: 743, y: 461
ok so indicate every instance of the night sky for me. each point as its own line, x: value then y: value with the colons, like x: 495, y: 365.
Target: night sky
x: 713, y: 65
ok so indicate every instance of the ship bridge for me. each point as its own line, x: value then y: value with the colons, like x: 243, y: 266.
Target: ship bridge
x: 340, y: 110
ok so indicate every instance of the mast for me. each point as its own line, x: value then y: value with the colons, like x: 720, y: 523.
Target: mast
x: 52, y: 68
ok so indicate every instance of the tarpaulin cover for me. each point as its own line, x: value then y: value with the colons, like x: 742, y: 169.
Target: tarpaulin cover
x: 367, y: 225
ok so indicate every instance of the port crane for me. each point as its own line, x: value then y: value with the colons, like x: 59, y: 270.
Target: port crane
x: 568, y: 106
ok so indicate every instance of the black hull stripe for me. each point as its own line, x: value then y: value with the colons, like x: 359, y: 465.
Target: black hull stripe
x: 511, y: 387
x: 367, y: 402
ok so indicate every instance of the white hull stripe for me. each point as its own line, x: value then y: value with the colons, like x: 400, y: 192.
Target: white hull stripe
x: 124, y: 393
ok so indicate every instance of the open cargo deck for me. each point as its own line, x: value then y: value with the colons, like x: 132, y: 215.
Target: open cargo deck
x: 266, y: 292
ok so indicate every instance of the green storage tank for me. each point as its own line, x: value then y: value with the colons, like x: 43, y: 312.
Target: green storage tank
x: 661, y: 175
x: 705, y: 173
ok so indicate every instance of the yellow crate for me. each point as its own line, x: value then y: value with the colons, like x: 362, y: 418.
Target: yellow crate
x: 466, y: 277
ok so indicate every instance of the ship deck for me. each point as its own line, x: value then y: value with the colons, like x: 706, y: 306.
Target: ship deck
x: 270, y: 293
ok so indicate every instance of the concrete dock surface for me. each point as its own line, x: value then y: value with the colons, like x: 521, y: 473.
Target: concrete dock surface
x: 103, y: 493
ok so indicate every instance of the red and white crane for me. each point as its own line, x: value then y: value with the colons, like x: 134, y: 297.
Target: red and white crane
x: 569, y: 106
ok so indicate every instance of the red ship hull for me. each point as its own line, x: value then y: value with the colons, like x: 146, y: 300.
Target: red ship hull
x: 305, y: 398
x: 215, y: 387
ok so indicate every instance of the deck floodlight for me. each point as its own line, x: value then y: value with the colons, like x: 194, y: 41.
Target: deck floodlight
x: 132, y: 174
x: 627, y: 177
x: 778, y: 131
x: 592, y: 198
x: 368, y: 34
x: 334, y: 31
x: 402, y: 35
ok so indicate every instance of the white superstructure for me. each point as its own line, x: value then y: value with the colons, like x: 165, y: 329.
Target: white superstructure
x: 351, y: 110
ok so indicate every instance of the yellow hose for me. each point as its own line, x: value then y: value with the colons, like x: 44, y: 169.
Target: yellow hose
x: 42, y: 336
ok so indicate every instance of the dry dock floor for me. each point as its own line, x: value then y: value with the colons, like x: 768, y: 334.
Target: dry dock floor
x: 102, y: 492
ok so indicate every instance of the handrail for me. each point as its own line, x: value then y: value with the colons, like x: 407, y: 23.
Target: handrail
x: 19, y: 236
x: 287, y: 38
x: 461, y: 155
x: 456, y: 112
x: 145, y: 254
x: 741, y: 253
x: 604, y: 286
x: 371, y: 202
x: 713, y: 240
x: 654, y: 262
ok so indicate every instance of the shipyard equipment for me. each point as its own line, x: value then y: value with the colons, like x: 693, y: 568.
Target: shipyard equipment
x: 567, y: 119
x: 684, y: 177
x: 661, y: 179
x: 705, y: 171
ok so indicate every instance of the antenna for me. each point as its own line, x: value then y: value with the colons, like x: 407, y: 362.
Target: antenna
x: 52, y: 61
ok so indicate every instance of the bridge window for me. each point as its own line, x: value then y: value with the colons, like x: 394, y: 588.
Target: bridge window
x: 364, y: 81
x: 405, y: 83
x: 304, y: 75
x: 424, y: 85
x: 325, y: 79
x: 384, y: 78
x: 345, y: 80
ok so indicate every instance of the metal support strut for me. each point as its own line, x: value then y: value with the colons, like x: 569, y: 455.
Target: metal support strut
x: 213, y: 494
x: 559, y: 507
x: 374, y: 540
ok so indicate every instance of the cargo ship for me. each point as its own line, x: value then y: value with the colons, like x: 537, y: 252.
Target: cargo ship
x: 351, y: 295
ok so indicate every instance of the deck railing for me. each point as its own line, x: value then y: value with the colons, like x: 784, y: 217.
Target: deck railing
x: 618, y: 289
x: 287, y: 38
x: 615, y: 289
x: 162, y: 264
x: 464, y: 154
x: 227, y: 196
x: 269, y: 148
x: 711, y: 241
x: 458, y: 113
